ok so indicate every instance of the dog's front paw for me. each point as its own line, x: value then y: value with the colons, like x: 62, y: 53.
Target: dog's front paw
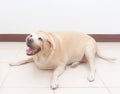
x: 14, y: 64
x: 54, y: 84
x: 91, y: 77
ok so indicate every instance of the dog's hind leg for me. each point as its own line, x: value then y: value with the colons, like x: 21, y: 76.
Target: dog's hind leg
x: 90, y: 56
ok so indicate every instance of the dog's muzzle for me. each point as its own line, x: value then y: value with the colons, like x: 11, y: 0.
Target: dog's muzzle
x: 32, y: 50
x: 29, y: 42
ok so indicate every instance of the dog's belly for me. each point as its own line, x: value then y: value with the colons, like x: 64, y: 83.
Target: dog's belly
x: 74, y: 60
x: 75, y: 57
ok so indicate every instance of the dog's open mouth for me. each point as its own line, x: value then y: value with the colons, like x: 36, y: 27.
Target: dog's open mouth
x: 32, y: 51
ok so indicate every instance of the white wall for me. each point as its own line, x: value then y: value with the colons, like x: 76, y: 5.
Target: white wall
x: 89, y: 16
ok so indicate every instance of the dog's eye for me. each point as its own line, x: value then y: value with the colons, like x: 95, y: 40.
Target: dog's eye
x: 30, y: 35
x: 40, y: 38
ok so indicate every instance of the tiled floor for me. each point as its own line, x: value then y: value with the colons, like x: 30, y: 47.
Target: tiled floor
x: 27, y: 79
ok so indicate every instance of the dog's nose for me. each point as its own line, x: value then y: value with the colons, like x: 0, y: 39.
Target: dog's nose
x: 29, y: 41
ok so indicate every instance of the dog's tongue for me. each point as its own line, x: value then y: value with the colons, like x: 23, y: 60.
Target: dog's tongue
x: 29, y: 51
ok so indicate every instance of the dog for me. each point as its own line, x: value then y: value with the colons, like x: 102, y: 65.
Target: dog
x: 56, y: 50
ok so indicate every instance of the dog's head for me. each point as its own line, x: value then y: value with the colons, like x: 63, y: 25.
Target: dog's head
x: 38, y: 42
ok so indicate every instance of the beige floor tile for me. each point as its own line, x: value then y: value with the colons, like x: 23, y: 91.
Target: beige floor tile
x: 109, y: 49
x: 81, y: 91
x: 115, y: 90
x: 26, y: 91
x: 9, y: 50
x: 77, y: 77
x: 7, y: 55
x: 108, y: 44
x: 4, y: 68
x: 10, y: 45
x: 27, y: 75
x: 73, y: 80
x: 22, y: 54
x: 109, y: 72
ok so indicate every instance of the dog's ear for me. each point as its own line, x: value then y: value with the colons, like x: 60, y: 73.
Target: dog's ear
x: 50, y: 44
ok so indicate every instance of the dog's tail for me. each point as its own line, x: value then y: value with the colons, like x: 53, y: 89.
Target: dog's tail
x: 110, y: 59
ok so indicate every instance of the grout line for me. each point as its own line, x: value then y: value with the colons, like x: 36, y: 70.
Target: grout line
x: 53, y: 91
x: 5, y: 77
x: 58, y: 88
x: 105, y: 86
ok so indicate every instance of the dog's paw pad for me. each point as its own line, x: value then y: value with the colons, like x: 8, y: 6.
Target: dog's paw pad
x: 91, y: 77
x: 54, y: 84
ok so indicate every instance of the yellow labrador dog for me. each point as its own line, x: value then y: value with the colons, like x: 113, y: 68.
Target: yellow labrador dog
x: 55, y: 50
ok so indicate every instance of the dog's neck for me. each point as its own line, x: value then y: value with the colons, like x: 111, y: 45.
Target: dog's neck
x: 44, y: 56
x: 47, y: 52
